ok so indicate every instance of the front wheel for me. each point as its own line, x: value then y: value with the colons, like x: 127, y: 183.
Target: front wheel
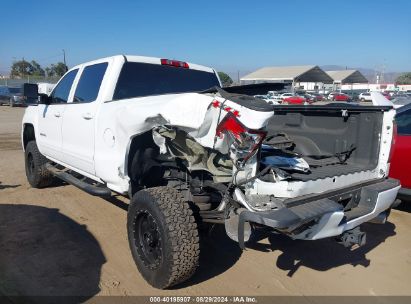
x: 37, y: 174
x: 163, y: 236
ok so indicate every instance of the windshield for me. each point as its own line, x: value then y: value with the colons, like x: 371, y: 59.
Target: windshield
x: 144, y: 79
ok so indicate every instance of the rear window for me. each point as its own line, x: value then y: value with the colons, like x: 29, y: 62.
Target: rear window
x: 144, y: 79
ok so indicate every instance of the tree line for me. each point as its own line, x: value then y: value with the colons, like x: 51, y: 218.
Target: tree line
x: 403, y: 79
x: 23, y: 68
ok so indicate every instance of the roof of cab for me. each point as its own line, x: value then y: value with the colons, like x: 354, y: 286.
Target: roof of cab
x: 143, y: 59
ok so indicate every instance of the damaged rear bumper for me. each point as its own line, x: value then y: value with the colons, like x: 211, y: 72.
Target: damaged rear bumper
x: 320, y: 216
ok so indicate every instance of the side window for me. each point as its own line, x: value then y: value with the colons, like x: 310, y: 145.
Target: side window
x: 89, y: 83
x: 61, y: 92
x: 403, y: 121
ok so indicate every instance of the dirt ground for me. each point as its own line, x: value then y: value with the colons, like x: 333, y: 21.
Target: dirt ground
x: 62, y: 241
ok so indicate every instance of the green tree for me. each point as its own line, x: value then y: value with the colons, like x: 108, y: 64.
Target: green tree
x: 21, y: 68
x: 404, y: 79
x: 225, y: 79
x: 57, y: 70
x: 36, y: 69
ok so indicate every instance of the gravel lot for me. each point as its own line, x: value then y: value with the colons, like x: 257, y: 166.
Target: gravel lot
x: 62, y: 241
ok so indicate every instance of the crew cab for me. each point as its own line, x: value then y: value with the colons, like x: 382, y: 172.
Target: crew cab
x: 189, y: 154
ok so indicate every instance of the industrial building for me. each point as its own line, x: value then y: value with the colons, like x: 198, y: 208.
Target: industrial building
x: 309, y: 77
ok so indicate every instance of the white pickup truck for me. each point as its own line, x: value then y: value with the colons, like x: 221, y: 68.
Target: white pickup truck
x: 188, y: 154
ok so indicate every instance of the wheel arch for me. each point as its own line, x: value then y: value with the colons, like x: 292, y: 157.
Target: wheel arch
x: 28, y: 134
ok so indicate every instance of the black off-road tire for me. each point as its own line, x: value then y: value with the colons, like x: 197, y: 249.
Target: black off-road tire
x: 37, y: 174
x: 177, y: 236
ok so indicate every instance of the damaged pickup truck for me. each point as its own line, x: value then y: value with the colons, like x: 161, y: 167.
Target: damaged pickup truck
x: 189, y: 153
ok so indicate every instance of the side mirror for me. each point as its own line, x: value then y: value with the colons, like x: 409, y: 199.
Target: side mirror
x: 30, y: 91
x: 44, y: 99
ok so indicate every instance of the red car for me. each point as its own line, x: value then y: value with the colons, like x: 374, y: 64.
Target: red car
x: 341, y: 97
x: 400, y: 167
x: 386, y: 95
x: 294, y: 100
x: 317, y: 97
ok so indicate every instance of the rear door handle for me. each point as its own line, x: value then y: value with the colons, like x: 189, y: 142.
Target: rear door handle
x: 57, y: 114
x: 87, y: 116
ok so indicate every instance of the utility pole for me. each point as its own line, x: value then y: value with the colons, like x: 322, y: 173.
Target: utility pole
x: 64, y: 57
x: 24, y: 68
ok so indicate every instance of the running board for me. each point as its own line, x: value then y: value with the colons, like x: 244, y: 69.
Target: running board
x: 87, y: 187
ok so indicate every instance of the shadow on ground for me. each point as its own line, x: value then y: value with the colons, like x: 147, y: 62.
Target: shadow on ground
x: 45, y: 253
x: 323, y: 254
x: 218, y: 253
x: 2, y: 186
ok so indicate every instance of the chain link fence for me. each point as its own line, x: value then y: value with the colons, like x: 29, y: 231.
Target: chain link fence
x: 10, y: 82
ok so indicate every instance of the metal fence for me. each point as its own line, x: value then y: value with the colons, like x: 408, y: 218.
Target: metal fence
x: 29, y: 79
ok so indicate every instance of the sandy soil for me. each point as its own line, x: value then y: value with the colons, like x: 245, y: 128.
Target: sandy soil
x: 62, y: 241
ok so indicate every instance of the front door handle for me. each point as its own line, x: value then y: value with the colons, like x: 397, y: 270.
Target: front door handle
x: 57, y: 114
x: 87, y: 116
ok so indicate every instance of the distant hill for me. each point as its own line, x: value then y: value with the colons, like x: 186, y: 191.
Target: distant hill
x: 370, y: 74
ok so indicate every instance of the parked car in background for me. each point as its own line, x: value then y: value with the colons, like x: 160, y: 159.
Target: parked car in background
x: 294, y: 100
x: 267, y: 98
x: 274, y: 96
x: 286, y: 95
x: 11, y: 96
x: 366, y: 96
x: 354, y: 95
x: 386, y: 95
x: 331, y: 95
x: 341, y: 97
x: 391, y: 93
x: 400, y: 155
x: 316, y: 97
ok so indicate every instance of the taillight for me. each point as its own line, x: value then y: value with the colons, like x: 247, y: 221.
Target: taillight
x: 394, y: 138
x: 244, y: 140
x: 175, y: 63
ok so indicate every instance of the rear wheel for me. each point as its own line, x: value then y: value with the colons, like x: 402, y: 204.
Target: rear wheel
x: 163, y: 236
x: 37, y: 174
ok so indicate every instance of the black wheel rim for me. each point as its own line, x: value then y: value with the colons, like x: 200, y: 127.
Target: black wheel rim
x: 30, y: 164
x: 147, y: 239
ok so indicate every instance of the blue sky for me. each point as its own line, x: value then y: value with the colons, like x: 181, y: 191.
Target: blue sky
x: 228, y: 35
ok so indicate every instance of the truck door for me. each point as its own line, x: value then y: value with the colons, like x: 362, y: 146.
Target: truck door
x: 79, y: 119
x: 51, y: 116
